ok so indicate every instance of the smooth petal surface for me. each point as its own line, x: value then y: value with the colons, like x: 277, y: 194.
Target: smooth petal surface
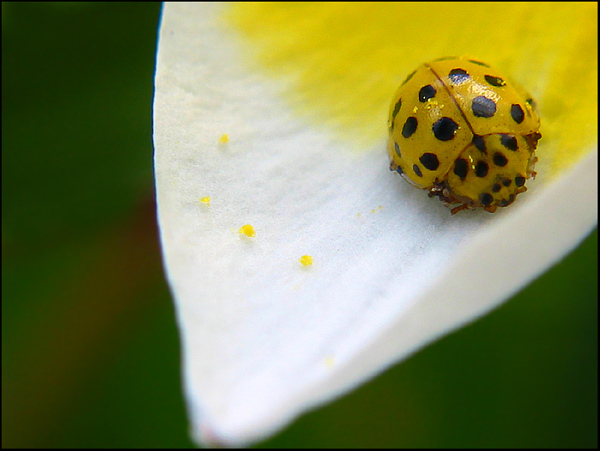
x: 265, y: 334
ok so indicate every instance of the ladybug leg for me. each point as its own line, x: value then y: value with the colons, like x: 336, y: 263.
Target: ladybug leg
x: 532, y: 163
x: 522, y: 190
x: 459, y: 208
x: 533, y: 139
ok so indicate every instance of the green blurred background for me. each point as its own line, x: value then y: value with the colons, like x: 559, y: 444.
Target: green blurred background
x: 90, y: 352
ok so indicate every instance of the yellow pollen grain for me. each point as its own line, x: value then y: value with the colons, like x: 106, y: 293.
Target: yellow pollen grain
x: 205, y: 200
x: 247, y: 230
x: 306, y: 260
x: 329, y: 361
x: 224, y: 139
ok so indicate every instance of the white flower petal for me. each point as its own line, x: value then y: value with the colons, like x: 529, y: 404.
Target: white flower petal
x: 264, y: 337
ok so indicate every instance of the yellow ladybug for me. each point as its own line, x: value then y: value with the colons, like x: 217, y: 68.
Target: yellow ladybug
x: 460, y: 130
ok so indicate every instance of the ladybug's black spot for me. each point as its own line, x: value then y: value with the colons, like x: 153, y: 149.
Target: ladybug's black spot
x: 506, y: 202
x: 410, y: 126
x: 494, y: 81
x: 395, y: 112
x: 417, y: 170
x: 517, y: 113
x: 531, y: 102
x: 483, y: 107
x: 408, y: 77
x: 479, y: 63
x: 430, y: 161
x: 426, y: 93
x: 444, y: 129
x: 486, y: 199
x: 458, y: 75
x: 481, y: 169
x: 519, y: 181
x: 397, y: 148
x: 506, y: 182
x: 479, y: 143
x: 399, y: 170
x: 510, y: 142
x: 496, y: 187
x: 499, y: 159
x: 461, y: 168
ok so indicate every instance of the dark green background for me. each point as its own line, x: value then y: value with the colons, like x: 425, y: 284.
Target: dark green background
x: 90, y: 354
